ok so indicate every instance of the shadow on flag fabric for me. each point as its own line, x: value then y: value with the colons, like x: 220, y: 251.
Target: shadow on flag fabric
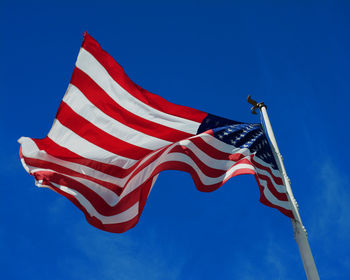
x: 111, y: 138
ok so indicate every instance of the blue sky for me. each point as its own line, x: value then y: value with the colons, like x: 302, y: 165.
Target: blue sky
x: 209, y: 55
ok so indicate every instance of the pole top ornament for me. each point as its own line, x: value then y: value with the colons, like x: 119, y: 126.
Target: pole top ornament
x: 255, y: 104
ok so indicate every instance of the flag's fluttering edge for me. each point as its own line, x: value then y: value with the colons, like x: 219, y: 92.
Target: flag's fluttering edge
x: 111, y: 138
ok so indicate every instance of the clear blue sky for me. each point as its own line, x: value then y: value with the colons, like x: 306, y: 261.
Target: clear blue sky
x: 210, y: 55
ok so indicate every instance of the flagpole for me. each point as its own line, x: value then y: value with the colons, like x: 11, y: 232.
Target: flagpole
x: 300, y: 234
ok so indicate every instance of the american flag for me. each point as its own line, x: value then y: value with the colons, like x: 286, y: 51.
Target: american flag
x: 111, y: 138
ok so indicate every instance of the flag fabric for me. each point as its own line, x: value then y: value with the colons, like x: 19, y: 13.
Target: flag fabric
x: 111, y: 138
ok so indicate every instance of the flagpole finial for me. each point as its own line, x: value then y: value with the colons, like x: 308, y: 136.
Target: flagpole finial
x: 255, y: 104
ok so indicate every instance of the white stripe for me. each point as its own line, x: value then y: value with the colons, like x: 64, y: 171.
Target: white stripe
x: 271, y: 198
x: 65, y: 137
x: 139, y: 178
x: 275, y: 172
x: 145, y: 173
x: 221, y: 146
x: 31, y: 150
x: 83, y: 107
x: 205, y: 158
x: 125, y: 216
x: 238, y: 166
x: 106, y: 194
x: 279, y: 188
x: 88, y: 64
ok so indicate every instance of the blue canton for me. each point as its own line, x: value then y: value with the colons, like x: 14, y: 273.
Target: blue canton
x: 240, y: 135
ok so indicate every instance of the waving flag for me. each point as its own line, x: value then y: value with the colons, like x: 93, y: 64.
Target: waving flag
x: 111, y: 138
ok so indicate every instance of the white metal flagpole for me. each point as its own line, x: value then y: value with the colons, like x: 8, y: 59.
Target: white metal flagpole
x: 300, y: 234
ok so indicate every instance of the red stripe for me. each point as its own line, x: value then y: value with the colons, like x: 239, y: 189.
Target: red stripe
x: 240, y: 171
x: 265, y: 201
x: 119, y: 75
x: 122, y: 227
x: 106, y: 104
x: 130, y: 199
x: 213, y: 152
x: 115, y: 228
x: 141, y: 193
x: 176, y: 165
x: 97, y: 136
x: 277, y: 180
x: 272, y: 188
x: 96, y: 201
x: 60, y: 169
x: 103, y: 208
x: 52, y: 148
x: 207, y: 170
